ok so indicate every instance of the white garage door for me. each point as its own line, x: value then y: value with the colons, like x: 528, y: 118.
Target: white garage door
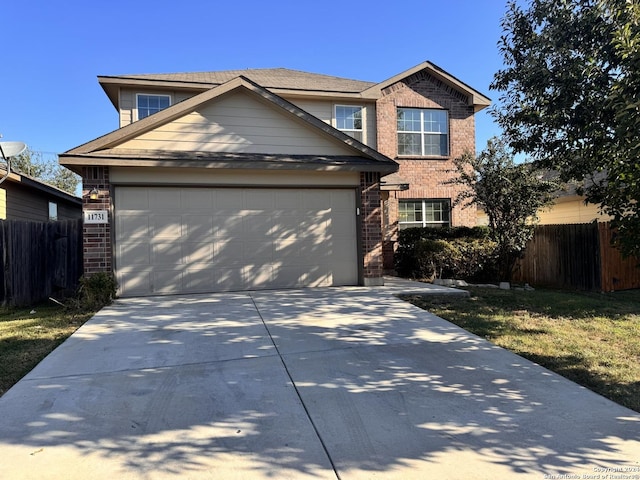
x: 186, y: 240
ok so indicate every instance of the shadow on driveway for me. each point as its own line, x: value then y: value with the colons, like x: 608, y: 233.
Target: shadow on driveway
x: 319, y: 383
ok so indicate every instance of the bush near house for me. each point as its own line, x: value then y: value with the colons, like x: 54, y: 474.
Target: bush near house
x: 460, y: 252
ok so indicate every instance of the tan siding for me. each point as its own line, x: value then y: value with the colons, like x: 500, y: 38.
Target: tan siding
x: 127, y: 104
x: 3, y: 204
x: 176, y: 176
x: 325, y: 111
x: 566, y: 211
x: 238, y: 123
x: 574, y: 211
x: 321, y: 109
x: 180, y: 96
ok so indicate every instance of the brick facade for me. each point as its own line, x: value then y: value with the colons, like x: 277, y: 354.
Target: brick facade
x: 96, y: 239
x: 424, y: 175
x: 371, y: 234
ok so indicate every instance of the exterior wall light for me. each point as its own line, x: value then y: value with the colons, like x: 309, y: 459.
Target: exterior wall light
x: 93, y: 194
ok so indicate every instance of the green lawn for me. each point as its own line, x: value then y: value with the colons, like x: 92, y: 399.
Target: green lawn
x: 26, y: 338
x: 592, y: 339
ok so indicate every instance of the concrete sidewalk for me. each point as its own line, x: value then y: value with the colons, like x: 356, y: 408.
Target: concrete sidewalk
x: 348, y: 383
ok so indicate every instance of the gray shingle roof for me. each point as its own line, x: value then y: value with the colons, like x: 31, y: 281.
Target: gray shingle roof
x: 279, y: 78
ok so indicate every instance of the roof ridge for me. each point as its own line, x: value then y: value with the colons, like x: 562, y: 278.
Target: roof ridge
x: 239, y: 70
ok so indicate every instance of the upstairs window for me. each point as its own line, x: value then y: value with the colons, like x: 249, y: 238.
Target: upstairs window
x: 423, y: 132
x: 424, y: 213
x: 349, y: 120
x: 150, y: 104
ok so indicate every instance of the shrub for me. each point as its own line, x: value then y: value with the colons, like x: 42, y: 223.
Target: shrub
x: 463, y: 252
x: 96, y: 291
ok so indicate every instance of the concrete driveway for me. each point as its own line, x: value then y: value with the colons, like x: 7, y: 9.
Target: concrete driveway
x: 348, y: 383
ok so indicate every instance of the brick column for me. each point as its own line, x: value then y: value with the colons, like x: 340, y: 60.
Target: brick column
x: 96, y: 238
x: 371, y: 234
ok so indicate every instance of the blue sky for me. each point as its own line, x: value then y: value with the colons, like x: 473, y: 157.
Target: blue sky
x: 52, y: 51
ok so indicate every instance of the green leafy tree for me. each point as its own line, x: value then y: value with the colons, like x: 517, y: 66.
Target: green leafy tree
x: 569, y: 98
x: 511, y: 195
x: 37, y: 166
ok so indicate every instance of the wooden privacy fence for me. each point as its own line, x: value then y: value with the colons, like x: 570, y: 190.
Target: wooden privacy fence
x: 39, y: 259
x: 576, y: 256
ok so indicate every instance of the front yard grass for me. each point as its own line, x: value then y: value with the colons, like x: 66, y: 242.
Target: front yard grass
x: 26, y: 338
x: 592, y: 339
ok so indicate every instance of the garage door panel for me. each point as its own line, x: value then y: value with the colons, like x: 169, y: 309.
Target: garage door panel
x: 197, y: 227
x: 287, y: 249
x: 134, y: 253
x: 257, y: 225
x: 226, y: 279
x: 256, y: 276
x: 230, y: 226
x: 132, y: 226
x: 315, y: 200
x: 257, y: 251
x: 165, y: 199
x: 180, y: 240
x: 228, y: 199
x: 167, y: 281
x: 164, y: 253
x: 136, y: 199
x: 166, y: 226
x: 340, y: 222
x: 195, y: 199
x: 198, y: 253
x: 198, y: 280
x: 317, y: 276
x: 259, y: 200
x: 135, y: 282
x: 287, y: 199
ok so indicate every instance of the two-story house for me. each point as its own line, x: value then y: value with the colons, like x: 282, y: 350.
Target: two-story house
x: 268, y: 178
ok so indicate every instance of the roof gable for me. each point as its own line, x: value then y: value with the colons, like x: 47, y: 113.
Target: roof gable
x: 200, y: 104
x: 474, y: 98
x: 238, y: 123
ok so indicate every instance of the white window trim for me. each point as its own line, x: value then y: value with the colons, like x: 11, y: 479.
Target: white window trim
x: 422, y: 132
x: 424, y: 223
x: 150, y: 95
x: 347, y: 130
x: 53, y: 211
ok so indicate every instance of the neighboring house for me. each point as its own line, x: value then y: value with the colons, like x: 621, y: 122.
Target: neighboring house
x: 568, y: 208
x: 269, y: 178
x: 571, y: 208
x: 25, y: 198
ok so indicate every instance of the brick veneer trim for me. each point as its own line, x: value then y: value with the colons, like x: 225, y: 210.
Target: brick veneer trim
x: 97, y: 246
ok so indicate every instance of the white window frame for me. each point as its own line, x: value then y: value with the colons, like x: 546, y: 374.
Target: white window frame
x: 138, y: 95
x: 425, y: 133
x: 445, y: 204
x: 352, y: 132
x: 53, y: 211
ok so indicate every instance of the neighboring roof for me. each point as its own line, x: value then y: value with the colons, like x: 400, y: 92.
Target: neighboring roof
x: 281, y: 80
x: 101, y: 147
x: 31, y: 182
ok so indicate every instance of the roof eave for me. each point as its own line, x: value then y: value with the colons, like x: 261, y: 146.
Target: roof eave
x: 28, y: 181
x: 76, y: 162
